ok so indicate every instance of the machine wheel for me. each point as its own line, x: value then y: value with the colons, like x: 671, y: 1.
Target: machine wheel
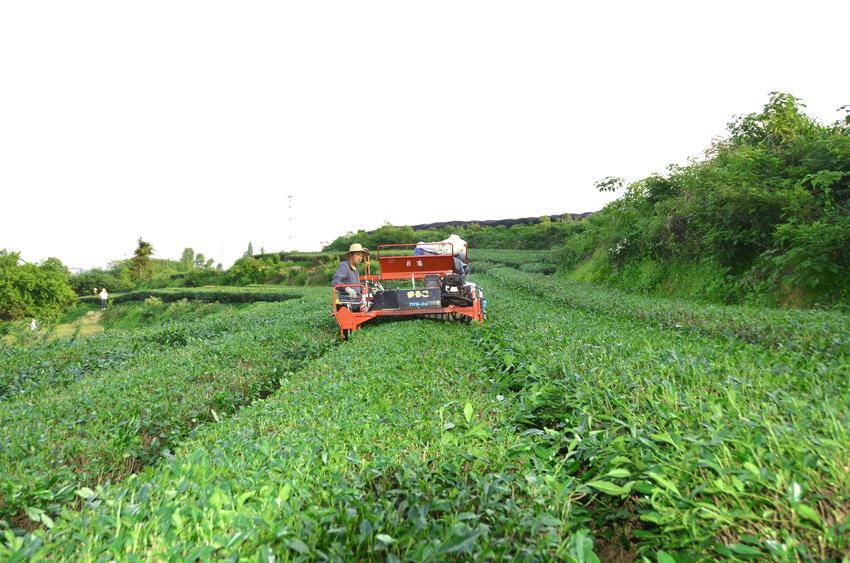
x: 460, y: 318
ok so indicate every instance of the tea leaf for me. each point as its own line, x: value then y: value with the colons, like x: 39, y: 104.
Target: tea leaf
x: 609, y: 488
x: 808, y: 513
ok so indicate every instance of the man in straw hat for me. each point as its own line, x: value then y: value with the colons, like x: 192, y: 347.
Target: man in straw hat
x: 348, y: 274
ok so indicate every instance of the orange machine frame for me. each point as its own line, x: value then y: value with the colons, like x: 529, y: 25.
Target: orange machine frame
x: 401, y: 268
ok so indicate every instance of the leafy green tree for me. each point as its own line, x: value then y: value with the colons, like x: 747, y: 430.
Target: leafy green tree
x: 187, y: 259
x: 140, y: 263
x: 30, y: 290
x: 114, y: 279
x: 246, y: 270
x: 200, y: 260
x: 250, y: 251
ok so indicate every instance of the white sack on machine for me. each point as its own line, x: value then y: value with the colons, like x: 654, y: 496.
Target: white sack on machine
x: 452, y: 245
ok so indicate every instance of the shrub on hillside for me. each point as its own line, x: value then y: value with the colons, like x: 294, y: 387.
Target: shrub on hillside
x: 246, y: 271
x: 768, y: 208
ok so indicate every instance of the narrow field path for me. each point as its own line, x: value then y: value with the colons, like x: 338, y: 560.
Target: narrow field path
x: 87, y: 325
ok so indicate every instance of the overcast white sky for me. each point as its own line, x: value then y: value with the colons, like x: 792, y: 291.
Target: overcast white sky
x: 188, y: 123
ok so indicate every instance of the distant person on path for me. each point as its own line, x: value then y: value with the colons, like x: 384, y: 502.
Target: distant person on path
x: 103, y: 297
x: 348, y: 274
x: 94, y: 291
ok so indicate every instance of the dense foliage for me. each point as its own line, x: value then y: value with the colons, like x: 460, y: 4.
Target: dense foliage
x: 541, y: 235
x: 32, y: 290
x: 194, y: 270
x: 114, y: 279
x: 283, y: 268
x: 579, y: 423
x: 767, y: 213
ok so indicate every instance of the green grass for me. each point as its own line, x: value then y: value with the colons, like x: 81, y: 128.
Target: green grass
x: 579, y: 423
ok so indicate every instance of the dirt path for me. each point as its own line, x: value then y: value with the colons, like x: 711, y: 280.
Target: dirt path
x: 87, y: 325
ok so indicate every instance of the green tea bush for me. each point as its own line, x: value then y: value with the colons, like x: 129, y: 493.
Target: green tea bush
x: 348, y: 460
x: 133, y: 315
x: 536, y: 261
x: 515, y: 258
x: 210, y: 293
x: 52, y: 363
x: 704, y: 433
x: 110, y: 421
x: 818, y: 332
x: 578, y: 424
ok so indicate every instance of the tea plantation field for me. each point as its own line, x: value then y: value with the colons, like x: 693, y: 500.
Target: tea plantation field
x: 579, y: 424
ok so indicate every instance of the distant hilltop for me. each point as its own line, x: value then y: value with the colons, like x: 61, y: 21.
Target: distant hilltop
x: 499, y: 222
x: 529, y: 233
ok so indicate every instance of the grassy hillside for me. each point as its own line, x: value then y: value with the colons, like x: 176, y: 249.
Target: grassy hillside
x: 578, y: 423
x: 764, y: 217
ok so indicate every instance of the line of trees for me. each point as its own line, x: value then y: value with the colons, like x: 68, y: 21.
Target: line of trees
x: 143, y: 270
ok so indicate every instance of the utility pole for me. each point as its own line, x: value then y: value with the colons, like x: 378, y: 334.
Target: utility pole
x: 289, y: 197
